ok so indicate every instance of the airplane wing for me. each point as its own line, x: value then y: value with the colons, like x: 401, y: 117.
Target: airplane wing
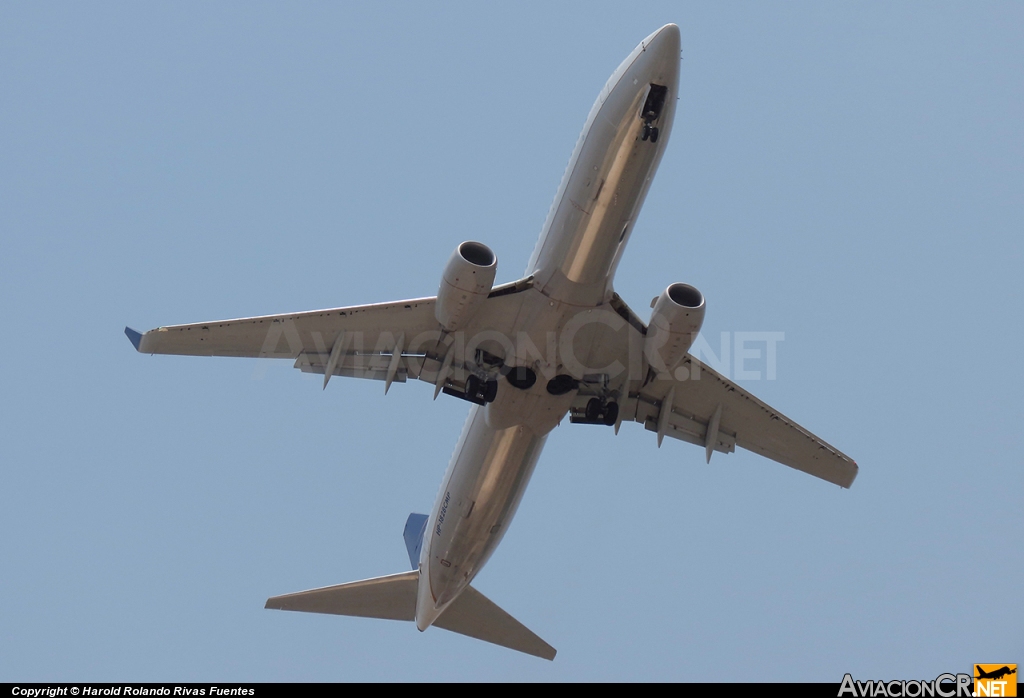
x: 709, y: 410
x: 290, y: 335
x: 383, y: 341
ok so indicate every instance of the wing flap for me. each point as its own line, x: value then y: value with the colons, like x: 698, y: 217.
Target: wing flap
x: 745, y: 420
x: 369, y: 366
x: 684, y: 427
x: 410, y: 366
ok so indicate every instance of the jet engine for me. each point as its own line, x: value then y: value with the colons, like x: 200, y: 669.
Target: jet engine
x: 466, y: 281
x: 676, y: 320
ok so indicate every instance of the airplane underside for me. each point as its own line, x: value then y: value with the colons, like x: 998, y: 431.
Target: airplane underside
x: 557, y: 342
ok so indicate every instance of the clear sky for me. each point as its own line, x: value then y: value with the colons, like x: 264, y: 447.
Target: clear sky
x: 851, y: 175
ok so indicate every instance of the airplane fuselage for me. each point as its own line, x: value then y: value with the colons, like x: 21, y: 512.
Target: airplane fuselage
x: 572, y: 269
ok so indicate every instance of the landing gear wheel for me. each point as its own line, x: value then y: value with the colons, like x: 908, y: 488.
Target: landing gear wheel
x: 654, y: 134
x: 472, y: 386
x: 611, y: 414
x: 646, y: 132
x: 593, y: 409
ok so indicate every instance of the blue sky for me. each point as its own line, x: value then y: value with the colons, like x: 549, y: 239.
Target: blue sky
x: 848, y: 175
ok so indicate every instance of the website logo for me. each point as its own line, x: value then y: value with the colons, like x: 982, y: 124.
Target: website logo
x: 995, y: 680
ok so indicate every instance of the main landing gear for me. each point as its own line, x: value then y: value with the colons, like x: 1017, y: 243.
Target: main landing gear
x: 598, y: 411
x: 477, y: 391
x: 602, y: 412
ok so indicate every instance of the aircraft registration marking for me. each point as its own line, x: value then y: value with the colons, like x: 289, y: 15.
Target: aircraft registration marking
x: 444, y: 509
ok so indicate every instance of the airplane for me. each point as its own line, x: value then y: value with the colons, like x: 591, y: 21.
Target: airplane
x: 559, y: 341
x: 996, y: 674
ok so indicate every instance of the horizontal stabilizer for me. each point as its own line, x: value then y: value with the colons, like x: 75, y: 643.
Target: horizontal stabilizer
x: 475, y: 615
x: 392, y: 598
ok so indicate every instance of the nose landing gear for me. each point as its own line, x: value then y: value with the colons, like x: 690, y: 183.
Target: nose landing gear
x: 649, y: 132
x: 653, y: 106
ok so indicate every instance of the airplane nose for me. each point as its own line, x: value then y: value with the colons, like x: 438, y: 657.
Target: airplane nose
x: 664, y: 41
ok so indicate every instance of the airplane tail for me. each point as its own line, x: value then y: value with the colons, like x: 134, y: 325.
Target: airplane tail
x: 394, y: 598
x: 415, y: 525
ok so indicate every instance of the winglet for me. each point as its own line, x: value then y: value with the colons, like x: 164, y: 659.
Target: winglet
x: 134, y: 337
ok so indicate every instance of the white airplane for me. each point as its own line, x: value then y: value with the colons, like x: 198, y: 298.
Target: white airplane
x: 558, y: 341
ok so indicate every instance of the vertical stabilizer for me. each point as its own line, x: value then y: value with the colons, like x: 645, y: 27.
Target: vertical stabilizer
x: 414, y: 527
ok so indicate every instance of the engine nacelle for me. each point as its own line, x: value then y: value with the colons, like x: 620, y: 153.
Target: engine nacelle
x: 676, y: 320
x: 467, y: 279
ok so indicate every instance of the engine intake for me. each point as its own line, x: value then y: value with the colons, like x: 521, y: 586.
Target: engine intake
x: 466, y: 282
x: 675, y: 321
